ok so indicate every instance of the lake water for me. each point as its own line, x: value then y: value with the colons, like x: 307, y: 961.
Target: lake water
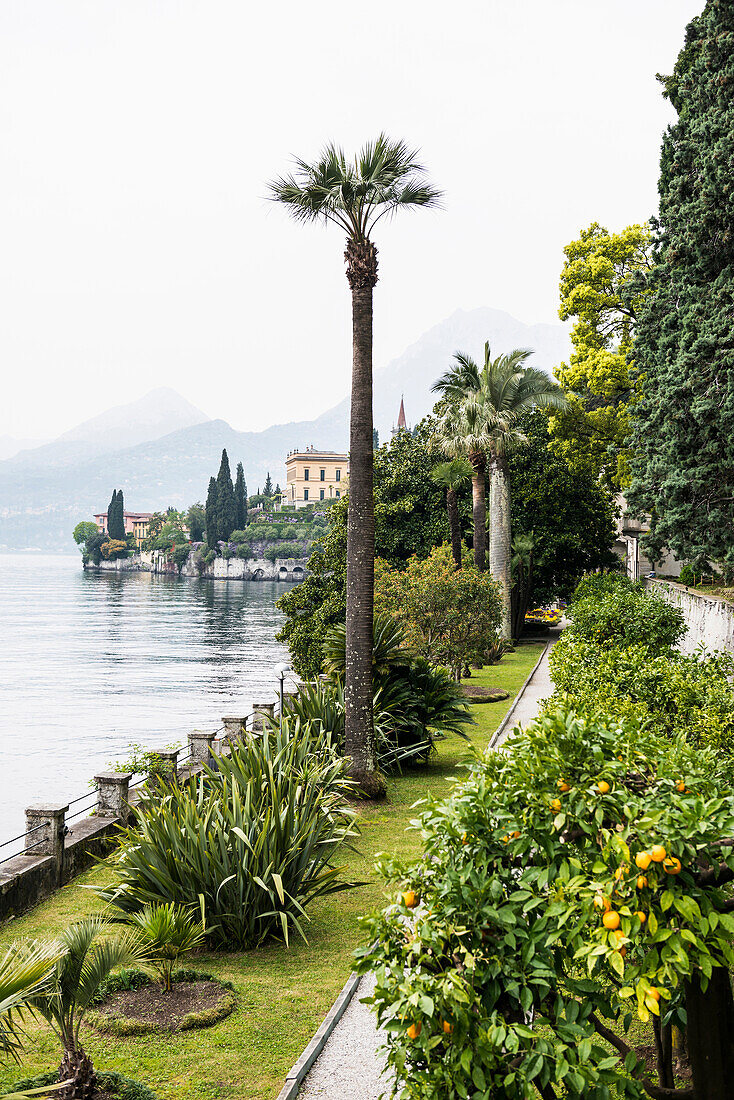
x: 91, y: 662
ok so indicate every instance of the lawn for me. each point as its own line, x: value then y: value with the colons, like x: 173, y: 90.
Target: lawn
x: 283, y: 994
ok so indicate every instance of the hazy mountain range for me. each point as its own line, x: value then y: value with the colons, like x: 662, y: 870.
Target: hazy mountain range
x: 162, y: 450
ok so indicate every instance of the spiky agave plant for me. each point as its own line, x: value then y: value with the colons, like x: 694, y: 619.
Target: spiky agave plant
x: 88, y: 953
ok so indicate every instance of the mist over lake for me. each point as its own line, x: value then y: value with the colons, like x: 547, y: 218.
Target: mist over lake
x: 93, y: 661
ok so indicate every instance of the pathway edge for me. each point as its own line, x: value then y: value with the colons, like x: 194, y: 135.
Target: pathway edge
x: 294, y: 1078
x: 506, y: 720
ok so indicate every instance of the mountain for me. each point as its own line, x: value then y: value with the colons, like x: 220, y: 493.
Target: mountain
x: 10, y: 446
x: 46, y: 491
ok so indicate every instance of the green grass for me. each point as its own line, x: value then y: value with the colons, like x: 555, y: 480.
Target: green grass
x: 283, y: 994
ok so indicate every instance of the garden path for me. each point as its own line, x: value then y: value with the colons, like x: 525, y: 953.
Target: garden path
x: 349, y: 1065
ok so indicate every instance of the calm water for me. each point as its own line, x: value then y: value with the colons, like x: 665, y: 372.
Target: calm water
x: 93, y: 661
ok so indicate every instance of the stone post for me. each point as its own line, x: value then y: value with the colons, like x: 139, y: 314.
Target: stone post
x: 113, y: 789
x: 169, y: 760
x: 45, y: 832
x: 235, y: 727
x: 262, y: 711
x: 200, y: 744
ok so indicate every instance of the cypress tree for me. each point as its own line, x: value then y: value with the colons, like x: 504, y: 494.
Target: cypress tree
x: 683, y: 425
x: 268, y: 490
x: 240, y: 499
x: 120, y: 515
x: 210, y: 514
x: 226, y: 507
x: 112, y: 513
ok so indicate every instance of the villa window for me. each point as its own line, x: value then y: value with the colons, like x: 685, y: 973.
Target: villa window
x: 321, y: 495
x: 338, y: 475
x: 338, y: 493
x: 323, y: 475
x: 305, y: 474
x: 305, y: 494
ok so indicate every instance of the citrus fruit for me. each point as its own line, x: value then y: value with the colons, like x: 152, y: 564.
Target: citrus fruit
x: 610, y: 919
x: 563, y: 785
x: 623, y: 952
x: 671, y: 865
x: 621, y: 871
x: 617, y: 938
x: 516, y: 834
x: 414, y: 1030
x: 680, y: 786
x: 653, y: 992
x: 600, y: 902
x: 643, y: 860
x: 555, y: 804
x: 410, y: 898
x: 642, y: 917
x: 447, y: 1027
x: 603, y: 787
x: 641, y: 882
x: 658, y: 853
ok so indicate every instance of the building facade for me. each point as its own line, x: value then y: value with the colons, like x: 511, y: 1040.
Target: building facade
x: 314, y: 477
x: 136, y: 523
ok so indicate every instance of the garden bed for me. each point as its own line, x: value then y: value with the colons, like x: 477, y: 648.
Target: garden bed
x: 477, y: 693
x: 131, y: 1003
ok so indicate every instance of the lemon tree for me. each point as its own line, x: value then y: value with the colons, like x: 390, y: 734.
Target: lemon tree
x: 571, y: 886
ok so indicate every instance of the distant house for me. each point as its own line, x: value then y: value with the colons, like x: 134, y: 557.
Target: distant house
x: 136, y: 523
x: 314, y: 476
x: 628, y: 549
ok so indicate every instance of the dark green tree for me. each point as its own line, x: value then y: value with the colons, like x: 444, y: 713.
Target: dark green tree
x: 226, y: 506
x: 111, y: 510
x: 683, y: 425
x: 240, y: 499
x: 210, y: 514
x: 196, y: 521
x: 268, y: 490
x: 116, y: 516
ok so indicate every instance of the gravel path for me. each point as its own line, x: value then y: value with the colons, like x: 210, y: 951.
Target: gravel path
x: 525, y: 708
x: 349, y: 1065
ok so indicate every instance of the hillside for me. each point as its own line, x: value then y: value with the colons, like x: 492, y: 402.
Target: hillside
x: 46, y: 491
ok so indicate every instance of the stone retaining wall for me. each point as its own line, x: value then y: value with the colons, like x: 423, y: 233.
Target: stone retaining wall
x: 710, y: 620
x: 239, y: 569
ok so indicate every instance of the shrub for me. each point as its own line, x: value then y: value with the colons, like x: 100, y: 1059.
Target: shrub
x: 244, y: 550
x: 254, y: 840
x: 238, y: 536
x: 600, y: 585
x: 682, y: 696
x: 499, y: 969
x: 450, y: 616
x: 628, y: 617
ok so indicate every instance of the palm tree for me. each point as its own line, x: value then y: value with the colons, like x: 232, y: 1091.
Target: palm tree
x: 24, y: 969
x: 88, y: 959
x: 383, y: 178
x: 486, y: 406
x: 453, y: 476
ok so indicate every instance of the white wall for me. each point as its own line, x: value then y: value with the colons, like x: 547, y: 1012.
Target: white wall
x: 709, y: 619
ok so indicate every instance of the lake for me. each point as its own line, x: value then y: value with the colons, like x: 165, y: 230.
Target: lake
x: 94, y: 661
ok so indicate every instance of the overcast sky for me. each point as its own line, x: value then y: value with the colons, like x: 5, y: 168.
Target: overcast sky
x: 137, y: 247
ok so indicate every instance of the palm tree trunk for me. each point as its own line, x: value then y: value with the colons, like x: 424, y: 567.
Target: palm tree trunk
x: 500, y: 540
x: 77, y: 1071
x: 452, y: 508
x: 479, y: 506
x: 358, y: 725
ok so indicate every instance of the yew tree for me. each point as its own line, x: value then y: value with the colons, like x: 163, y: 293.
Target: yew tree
x: 572, y: 906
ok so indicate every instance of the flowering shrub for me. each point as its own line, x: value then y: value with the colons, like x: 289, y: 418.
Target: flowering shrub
x: 571, y: 882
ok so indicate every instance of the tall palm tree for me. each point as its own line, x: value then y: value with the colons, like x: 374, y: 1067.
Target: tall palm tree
x: 89, y: 956
x: 453, y: 476
x: 382, y: 179
x: 485, y: 408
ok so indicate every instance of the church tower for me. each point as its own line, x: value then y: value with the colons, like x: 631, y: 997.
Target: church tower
x: 402, y: 423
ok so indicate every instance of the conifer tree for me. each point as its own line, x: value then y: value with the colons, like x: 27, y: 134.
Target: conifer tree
x: 268, y: 490
x: 210, y: 513
x: 120, y: 517
x: 111, y: 512
x: 240, y: 499
x: 683, y: 426
x: 226, y: 507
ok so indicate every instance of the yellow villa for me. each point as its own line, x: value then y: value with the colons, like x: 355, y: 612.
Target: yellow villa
x: 314, y: 476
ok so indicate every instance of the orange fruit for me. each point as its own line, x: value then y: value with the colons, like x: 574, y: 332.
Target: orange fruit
x: 621, y: 871
x: 563, y: 785
x: 463, y: 838
x: 658, y: 853
x: 410, y: 898
x: 610, y: 920
x: 617, y: 938
x: 623, y: 952
x: 653, y: 992
x: 641, y: 882
x: 600, y: 902
x: 671, y: 865
x: 603, y: 787
x: 447, y: 1027
x: 680, y: 786
x: 643, y: 860
x: 516, y: 834
x: 555, y: 804
x: 642, y: 917
x: 505, y: 838
x: 414, y: 1030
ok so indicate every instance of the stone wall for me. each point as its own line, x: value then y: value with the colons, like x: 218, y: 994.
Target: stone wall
x: 710, y: 620
x: 239, y: 569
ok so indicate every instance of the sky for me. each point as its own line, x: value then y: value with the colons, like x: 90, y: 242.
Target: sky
x: 137, y: 244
